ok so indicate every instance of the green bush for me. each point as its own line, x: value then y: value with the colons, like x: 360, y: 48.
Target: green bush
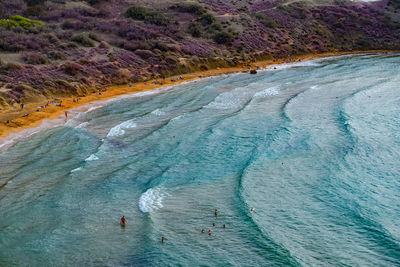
x: 137, y: 12
x: 190, y: 7
x: 94, y: 36
x: 35, y: 2
x: 34, y: 58
x: 194, y: 29
x: 147, y: 15
x: 223, y: 37
x: 266, y: 21
x: 207, y: 19
x: 82, y: 39
x: 93, y: 2
x: 57, y: 55
x: 8, y: 24
x: 19, y: 21
x: 215, y: 27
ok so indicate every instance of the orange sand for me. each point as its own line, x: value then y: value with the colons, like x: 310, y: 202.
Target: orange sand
x: 17, y: 122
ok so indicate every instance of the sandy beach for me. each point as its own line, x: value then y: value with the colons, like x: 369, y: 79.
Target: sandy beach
x: 15, y: 120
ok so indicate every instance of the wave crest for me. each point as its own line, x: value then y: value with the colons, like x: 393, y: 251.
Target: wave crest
x: 92, y: 157
x: 267, y: 92
x: 120, y: 128
x: 151, y: 200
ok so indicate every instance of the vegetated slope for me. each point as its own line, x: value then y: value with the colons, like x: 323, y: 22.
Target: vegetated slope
x: 65, y: 47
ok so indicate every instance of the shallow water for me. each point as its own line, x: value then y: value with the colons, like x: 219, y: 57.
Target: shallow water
x: 313, y: 147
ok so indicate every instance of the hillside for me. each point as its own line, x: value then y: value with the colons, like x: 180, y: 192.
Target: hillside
x: 64, y: 47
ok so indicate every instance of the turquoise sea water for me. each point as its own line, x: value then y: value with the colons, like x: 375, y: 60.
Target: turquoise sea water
x: 313, y: 147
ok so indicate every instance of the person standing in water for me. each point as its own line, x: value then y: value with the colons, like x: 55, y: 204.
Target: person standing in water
x: 162, y: 239
x: 216, y: 212
x: 123, y: 221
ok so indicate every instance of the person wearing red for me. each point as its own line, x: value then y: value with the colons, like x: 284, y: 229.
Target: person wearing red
x: 123, y: 221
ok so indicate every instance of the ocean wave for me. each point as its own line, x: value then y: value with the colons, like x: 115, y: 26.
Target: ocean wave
x: 267, y: 92
x: 8, y: 142
x: 177, y: 118
x: 263, y: 239
x: 120, y: 128
x: 158, y: 112
x: 82, y: 125
x: 151, y: 200
x: 92, y: 158
x: 93, y: 108
x: 227, y: 100
x: 75, y: 170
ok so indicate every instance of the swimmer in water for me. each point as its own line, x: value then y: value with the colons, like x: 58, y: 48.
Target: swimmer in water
x: 252, y: 209
x: 209, y: 232
x: 216, y: 212
x: 162, y: 239
x: 123, y: 221
x: 202, y: 231
x: 224, y: 226
x: 213, y: 224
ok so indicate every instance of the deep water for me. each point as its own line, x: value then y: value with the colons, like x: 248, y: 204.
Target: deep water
x: 313, y: 147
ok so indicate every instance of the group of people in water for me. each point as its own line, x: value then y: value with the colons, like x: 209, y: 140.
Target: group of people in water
x: 209, y: 230
x: 123, y: 224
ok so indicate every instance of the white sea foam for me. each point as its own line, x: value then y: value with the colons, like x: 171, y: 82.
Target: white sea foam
x: 92, y: 157
x: 177, y: 118
x: 158, y: 112
x: 267, y: 92
x: 77, y: 169
x: 82, y: 125
x: 226, y: 100
x: 120, y: 128
x: 8, y: 142
x: 151, y: 200
x: 93, y: 108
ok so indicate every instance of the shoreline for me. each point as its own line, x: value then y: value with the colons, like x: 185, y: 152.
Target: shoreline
x: 38, y: 119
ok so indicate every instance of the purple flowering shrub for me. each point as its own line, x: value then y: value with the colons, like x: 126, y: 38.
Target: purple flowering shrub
x: 99, y: 42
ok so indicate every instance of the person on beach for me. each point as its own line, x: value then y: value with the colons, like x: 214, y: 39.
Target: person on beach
x: 66, y: 115
x: 22, y: 106
x: 216, y: 212
x: 123, y: 221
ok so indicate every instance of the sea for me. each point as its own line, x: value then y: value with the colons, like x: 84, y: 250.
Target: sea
x: 301, y: 161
